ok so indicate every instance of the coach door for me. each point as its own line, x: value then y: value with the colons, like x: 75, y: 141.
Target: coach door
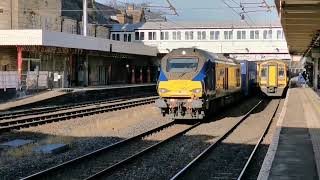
x: 272, y: 76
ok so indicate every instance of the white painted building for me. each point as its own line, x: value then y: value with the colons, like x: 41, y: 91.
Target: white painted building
x: 241, y: 41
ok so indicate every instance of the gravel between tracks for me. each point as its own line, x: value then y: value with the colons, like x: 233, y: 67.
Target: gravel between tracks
x: 83, y: 135
x: 227, y: 159
x: 168, y: 159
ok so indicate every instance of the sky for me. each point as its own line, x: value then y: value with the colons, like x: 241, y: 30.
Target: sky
x: 213, y: 10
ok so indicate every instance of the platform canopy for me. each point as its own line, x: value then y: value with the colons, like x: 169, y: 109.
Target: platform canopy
x: 301, y: 23
x: 65, y: 40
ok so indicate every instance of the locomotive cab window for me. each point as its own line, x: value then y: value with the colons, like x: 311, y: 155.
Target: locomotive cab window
x: 182, y: 65
x: 281, y: 72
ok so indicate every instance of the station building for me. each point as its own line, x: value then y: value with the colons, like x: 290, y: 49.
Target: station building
x: 239, y: 40
x: 42, y: 47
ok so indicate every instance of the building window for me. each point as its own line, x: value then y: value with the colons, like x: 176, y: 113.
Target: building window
x: 166, y: 35
x: 211, y: 35
x: 204, y: 36
x: 174, y: 35
x: 279, y: 34
x: 241, y: 34
x: 228, y: 34
x: 129, y: 37
x: 113, y: 37
x: 136, y: 36
x: 154, y: 35
x: 267, y: 34
x: 251, y: 34
x: 217, y: 35
x: 191, y: 35
x: 118, y: 37
x: 161, y: 35
x: 199, y: 35
x: 256, y: 34
x: 141, y: 36
x: 178, y: 35
x: 125, y: 37
x: 186, y: 35
x: 150, y: 36
x: 270, y: 34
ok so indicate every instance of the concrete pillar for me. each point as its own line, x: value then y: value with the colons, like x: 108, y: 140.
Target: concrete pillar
x: 85, y: 17
x: 149, y: 75
x: 133, y: 75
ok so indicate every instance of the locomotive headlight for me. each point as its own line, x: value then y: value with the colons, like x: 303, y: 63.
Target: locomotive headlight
x: 163, y: 90
x: 197, y: 91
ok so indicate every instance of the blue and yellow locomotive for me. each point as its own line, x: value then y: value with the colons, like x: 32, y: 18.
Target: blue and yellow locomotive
x: 194, y: 83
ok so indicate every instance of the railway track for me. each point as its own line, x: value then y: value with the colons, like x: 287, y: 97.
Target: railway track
x: 8, y: 125
x: 108, y: 159
x: 49, y: 109
x: 188, y: 171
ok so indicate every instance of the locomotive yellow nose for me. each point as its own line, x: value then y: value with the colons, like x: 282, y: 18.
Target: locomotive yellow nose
x: 180, y: 88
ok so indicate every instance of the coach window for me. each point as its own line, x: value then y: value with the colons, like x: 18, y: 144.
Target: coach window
x: 142, y: 36
x: 174, y: 35
x: 113, y: 36
x: 125, y: 37
x: 217, y: 35
x: 118, y: 37
x: 178, y: 35
x: 204, y: 36
x: 211, y: 35
x: 136, y: 36
x: 199, y: 35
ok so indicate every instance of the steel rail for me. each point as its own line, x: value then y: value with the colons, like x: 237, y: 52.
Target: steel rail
x: 214, y: 145
x: 36, y: 111
x: 244, y: 169
x: 6, y: 126
x: 93, y: 154
x: 139, y: 154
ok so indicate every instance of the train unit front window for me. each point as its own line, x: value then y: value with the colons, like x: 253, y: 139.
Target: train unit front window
x: 182, y: 65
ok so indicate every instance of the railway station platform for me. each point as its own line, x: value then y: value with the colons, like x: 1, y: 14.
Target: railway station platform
x: 74, y: 95
x: 295, y: 149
